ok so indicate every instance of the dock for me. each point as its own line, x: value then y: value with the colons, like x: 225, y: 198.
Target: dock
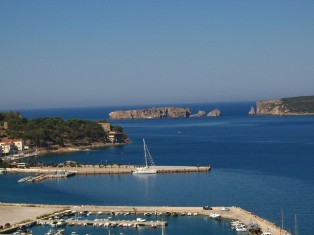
x: 109, y: 170
x: 107, y: 223
x: 46, y: 175
x: 37, y: 214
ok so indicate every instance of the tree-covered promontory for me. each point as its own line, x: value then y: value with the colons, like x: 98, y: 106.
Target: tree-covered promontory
x: 44, y: 131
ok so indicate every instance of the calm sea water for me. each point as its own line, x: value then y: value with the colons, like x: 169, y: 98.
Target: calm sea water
x: 262, y: 164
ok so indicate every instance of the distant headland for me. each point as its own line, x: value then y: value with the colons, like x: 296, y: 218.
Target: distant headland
x: 302, y: 105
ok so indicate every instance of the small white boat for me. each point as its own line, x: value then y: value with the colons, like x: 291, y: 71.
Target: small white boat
x: 24, y: 179
x: 215, y: 216
x: 146, y: 169
x: 61, y: 223
x: 241, y: 228
x: 267, y: 233
x: 225, y: 209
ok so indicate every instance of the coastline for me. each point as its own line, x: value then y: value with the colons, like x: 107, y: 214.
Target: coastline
x: 94, y: 145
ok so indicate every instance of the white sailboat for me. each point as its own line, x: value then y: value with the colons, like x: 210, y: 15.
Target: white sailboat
x: 146, y: 169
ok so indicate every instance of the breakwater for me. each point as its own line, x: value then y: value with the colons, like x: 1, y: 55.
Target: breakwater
x: 39, y: 215
x: 113, y: 169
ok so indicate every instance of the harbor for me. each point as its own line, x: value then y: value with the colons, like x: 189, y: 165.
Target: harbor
x: 27, y: 215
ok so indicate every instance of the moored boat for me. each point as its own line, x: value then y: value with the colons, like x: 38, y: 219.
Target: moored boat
x: 146, y: 169
x: 215, y: 216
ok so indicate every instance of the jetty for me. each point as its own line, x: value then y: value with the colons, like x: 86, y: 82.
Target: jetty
x: 108, y: 170
x: 44, y: 214
x: 50, y: 175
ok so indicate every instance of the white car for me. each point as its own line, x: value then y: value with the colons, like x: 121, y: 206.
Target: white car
x: 225, y: 209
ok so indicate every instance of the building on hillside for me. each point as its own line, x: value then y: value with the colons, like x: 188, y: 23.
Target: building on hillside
x: 115, y: 137
x: 106, y: 126
x: 5, y: 125
x: 10, y: 145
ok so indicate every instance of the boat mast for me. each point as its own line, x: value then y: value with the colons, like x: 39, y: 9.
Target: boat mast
x: 145, y: 152
x: 296, y: 232
x: 148, y: 156
x: 281, y: 229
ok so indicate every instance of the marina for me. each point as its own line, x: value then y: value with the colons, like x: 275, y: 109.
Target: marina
x: 128, y: 216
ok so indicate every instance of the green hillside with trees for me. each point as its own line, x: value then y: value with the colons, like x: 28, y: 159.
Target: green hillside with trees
x: 44, y: 131
x: 301, y: 104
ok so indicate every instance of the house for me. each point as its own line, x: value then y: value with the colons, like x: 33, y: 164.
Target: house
x: 115, y: 137
x: 11, y: 145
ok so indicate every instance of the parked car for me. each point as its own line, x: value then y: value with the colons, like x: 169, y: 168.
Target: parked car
x: 207, y: 208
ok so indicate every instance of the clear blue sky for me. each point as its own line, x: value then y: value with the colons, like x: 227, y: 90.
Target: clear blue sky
x: 70, y: 53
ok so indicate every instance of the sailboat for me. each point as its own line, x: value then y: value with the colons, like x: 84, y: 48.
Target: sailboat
x: 146, y: 169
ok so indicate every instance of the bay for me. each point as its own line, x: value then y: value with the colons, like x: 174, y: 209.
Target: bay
x: 263, y: 164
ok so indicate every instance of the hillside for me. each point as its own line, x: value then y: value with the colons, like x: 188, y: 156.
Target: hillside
x: 302, y: 105
x: 45, y: 132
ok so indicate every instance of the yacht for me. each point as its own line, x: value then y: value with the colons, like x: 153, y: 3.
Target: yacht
x: 146, y: 169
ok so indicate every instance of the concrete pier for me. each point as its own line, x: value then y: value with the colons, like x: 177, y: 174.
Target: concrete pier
x: 110, y: 169
x: 37, y: 212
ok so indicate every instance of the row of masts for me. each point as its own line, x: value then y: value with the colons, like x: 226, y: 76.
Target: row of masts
x: 296, y: 232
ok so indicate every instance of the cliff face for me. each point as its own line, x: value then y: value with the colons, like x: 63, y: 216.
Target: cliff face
x: 199, y: 114
x: 214, y: 113
x: 163, y: 112
x: 270, y: 107
x: 303, y: 105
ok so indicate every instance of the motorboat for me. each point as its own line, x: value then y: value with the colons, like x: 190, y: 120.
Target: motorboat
x: 241, y: 228
x: 215, y: 216
x: 146, y: 169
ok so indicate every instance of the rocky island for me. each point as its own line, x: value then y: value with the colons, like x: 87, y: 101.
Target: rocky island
x: 162, y: 112
x: 154, y: 113
x: 302, y: 105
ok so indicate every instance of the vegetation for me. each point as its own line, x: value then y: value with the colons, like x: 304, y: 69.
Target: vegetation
x: 302, y: 104
x: 44, y: 132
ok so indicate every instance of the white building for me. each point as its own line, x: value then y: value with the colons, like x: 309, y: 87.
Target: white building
x: 9, y: 145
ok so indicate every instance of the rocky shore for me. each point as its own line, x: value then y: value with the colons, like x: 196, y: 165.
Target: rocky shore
x: 77, y: 148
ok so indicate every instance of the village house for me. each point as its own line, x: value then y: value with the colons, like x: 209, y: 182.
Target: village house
x: 115, y: 137
x: 10, y: 145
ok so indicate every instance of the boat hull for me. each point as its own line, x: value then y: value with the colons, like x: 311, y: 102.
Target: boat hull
x: 144, y: 170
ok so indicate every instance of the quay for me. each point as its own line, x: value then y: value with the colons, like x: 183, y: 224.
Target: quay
x: 41, y: 177
x: 108, y: 170
x: 13, y: 215
x: 111, y: 223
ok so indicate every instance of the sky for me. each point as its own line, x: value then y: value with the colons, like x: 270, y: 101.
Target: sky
x: 74, y: 53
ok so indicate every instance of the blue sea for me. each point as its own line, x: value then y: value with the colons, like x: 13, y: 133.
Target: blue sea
x: 263, y: 164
